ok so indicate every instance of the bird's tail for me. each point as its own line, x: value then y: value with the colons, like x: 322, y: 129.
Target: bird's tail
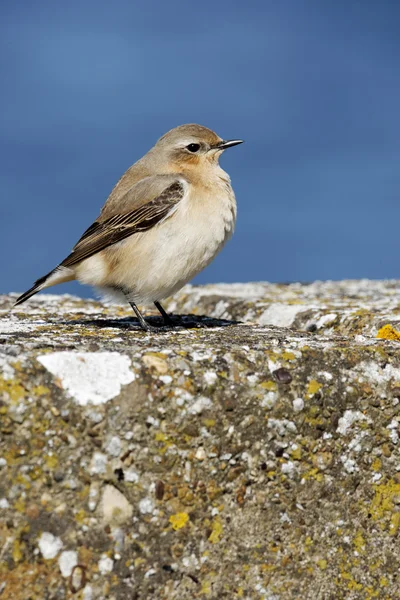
x: 57, y: 275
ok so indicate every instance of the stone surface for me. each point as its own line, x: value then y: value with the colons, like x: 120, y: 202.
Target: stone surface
x: 256, y: 459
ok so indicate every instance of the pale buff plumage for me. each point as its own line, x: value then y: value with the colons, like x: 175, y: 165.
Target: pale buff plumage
x: 165, y: 220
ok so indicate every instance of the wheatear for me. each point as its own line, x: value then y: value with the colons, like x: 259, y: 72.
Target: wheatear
x: 164, y: 221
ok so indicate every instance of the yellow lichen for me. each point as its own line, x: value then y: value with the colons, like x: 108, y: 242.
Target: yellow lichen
x: 383, y: 499
x: 12, y: 388
x: 40, y: 390
x: 388, y: 332
x: 359, y: 543
x: 80, y: 517
x: 394, y: 523
x: 17, y: 552
x: 161, y: 437
x: 22, y: 480
x: 179, y: 520
x: 313, y: 387
x: 269, y: 385
x: 295, y: 454
x: 51, y: 461
x: 313, y: 474
x: 354, y: 585
x: 20, y: 505
x: 376, y: 465
x: 216, y: 531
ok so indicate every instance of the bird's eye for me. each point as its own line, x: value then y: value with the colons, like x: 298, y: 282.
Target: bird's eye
x: 193, y: 147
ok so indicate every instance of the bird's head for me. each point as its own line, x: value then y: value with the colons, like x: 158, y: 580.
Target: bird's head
x: 191, y: 145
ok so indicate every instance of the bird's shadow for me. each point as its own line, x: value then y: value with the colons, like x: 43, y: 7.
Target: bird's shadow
x: 178, y: 321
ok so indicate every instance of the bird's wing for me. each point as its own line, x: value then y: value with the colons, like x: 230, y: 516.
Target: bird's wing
x: 139, y: 214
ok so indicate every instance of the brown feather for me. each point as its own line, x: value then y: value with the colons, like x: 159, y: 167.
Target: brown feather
x: 104, y: 233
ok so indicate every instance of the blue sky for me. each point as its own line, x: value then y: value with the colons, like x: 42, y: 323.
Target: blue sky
x: 313, y: 87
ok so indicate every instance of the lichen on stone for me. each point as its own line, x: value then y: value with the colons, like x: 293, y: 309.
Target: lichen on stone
x: 255, y: 457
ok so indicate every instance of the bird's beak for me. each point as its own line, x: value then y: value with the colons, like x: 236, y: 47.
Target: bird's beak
x: 228, y: 144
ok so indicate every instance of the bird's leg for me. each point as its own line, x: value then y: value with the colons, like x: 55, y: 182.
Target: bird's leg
x: 143, y: 324
x: 164, y: 314
x: 168, y: 321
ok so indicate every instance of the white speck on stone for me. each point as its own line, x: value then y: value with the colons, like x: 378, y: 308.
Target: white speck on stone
x: 95, y: 416
x: 349, y: 418
x: 93, y: 495
x: 325, y: 320
x: 183, y: 394
x: 355, y: 443
x: 90, y: 377
x: 113, y: 446
x: 326, y: 375
x: 394, y: 436
x: 105, y: 564
x: 227, y: 456
x: 349, y: 464
x: 146, y: 506
x: 3, y: 462
x: 14, y: 325
x: 284, y: 518
x: 17, y: 413
x: 197, y: 356
x: 71, y: 484
x: 149, y: 573
x: 376, y: 477
x: 118, y: 536
x: 298, y: 404
x: 6, y: 370
x: 200, y: 454
x: 273, y: 365
x: 98, y: 464
x: 191, y: 562
x: 166, y: 379
x: 49, y: 545
x: 289, y: 468
x: 269, y: 400
x: 374, y: 373
x: 280, y: 315
x: 201, y: 403
x: 87, y: 593
x: 282, y: 426
x: 210, y: 377
x: 152, y: 421
x: 4, y: 503
x: 131, y: 476
x: 115, y: 507
x: 67, y: 561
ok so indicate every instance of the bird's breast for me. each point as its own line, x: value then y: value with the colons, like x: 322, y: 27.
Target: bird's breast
x: 207, y: 220
x: 157, y: 263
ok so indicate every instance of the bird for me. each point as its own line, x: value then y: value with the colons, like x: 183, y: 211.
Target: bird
x: 165, y: 220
